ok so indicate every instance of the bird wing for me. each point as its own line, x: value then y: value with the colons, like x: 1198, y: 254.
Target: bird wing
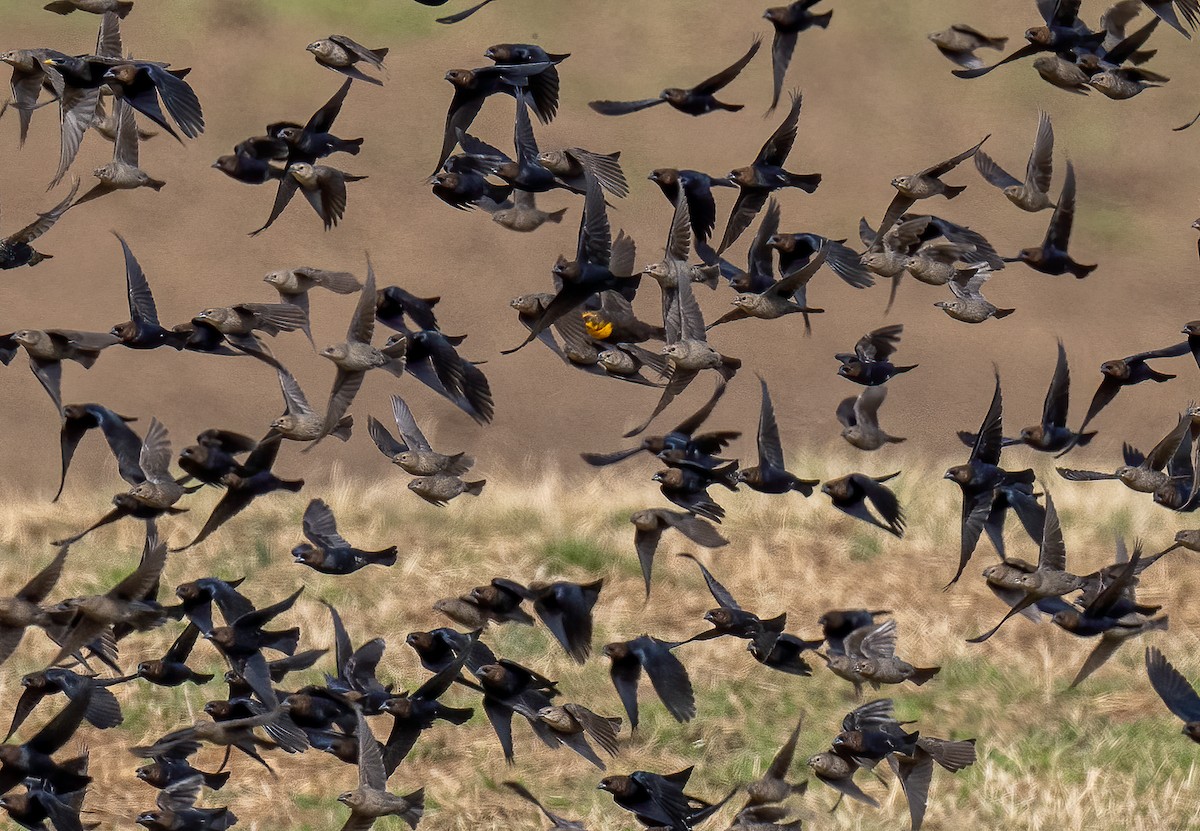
x: 720, y: 593
x: 141, y: 300
x: 407, y: 424
x: 953, y: 162
x: 1059, y: 231
x: 994, y: 173
x: 155, y: 456
x: 293, y: 396
x: 1054, y: 411
x: 362, y: 324
x: 45, y: 221
x: 990, y: 438
x: 624, y: 107
x: 770, y: 448
x: 1041, y: 159
x: 1053, y: 552
x: 709, y: 86
x: 1175, y: 691
x: 779, y: 145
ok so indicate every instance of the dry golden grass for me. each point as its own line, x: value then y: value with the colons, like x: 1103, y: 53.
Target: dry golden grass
x: 1107, y: 756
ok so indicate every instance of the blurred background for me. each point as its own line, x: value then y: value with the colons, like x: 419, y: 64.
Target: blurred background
x: 879, y: 101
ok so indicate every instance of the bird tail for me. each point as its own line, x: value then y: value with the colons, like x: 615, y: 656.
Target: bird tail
x: 155, y: 184
x: 1025, y: 477
x: 1159, y: 623
x: 475, y: 488
x: 416, y: 807
x: 200, y: 678
x: 997, y: 43
x: 999, y: 313
x: 1084, y: 438
x: 952, y: 191
x: 900, y: 369
x: 729, y: 367
x: 923, y: 674
x: 291, y: 485
x: 455, y: 715
x: 351, y: 146
x: 60, y: 7
x: 727, y: 475
x: 124, y: 8
x: 822, y: 20
x: 215, y: 781
x: 804, y: 486
x: 386, y: 557
x: 556, y: 216
x: 379, y: 53
x: 892, y: 439
x: 733, y: 108
x: 953, y: 756
x: 1158, y: 377
x: 1079, y: 270
x: 807, y: 182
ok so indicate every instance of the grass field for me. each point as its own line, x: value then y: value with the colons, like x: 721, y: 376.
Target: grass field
x: 1106, y: 756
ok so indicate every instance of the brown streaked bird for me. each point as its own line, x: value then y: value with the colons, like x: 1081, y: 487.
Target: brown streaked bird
x: 154, y: 495
x: 923, y: 184
x: 773, y: 787
x: 371, y: 799
x: 959, y: 41
x: 120, y: 8
x: 859, y: 417
x: 441, y: 488
x: 937, y: 263
x: 323, y: 186
x: 122, y: 173
x: 969, y: 305
x: 48, y: 348
x: 125, y: 604
x: 1032, y: 194
x: 570, y: 164
x: 523, y: 214
x: 850, y: 494
x: 879, y: 664
x: 30, y: 76
x: 1125, y: 82
x: 697, y: 100
x: 24, y: 609
x: 652, y: 522
x: 355, y: 357
x: 1051, y: 256
x: 294, y: 284
x: 777, y: 299
x: 300, y: 422
x: 1175, y: 691
x: 340, y: 53
x: 838, y: 772
x: 573, y: 724
x: 687, y: 348
x: 1049, y: 579
x: 1144, y: 474
x: 765, y: 174
x: 412, y: 453
x: 1062, y: 73
x: 233, y: 733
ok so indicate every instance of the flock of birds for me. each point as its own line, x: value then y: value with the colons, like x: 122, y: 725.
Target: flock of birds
x: 589, y: 321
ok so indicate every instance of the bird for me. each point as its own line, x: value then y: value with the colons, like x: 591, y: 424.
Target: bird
x: 16, y: 249
x: 48, y: 348
x: 294, y: 284
x: 123, y: 172
x: 1051, y: 256
x: 1030, y: 195
x: 969, y: 305
x: 1052, y: 435
x: 859, y: 417
x: 959, y: 41
x: 1141, y: 473
x: 560, y: 824
x: 869, y: 363
x: 23, y: 609
x: 851, y: 493
x: 300, y: 422
x: 651, y: 523
x: 1175, y: 691
x: 667, y: 675
x: 789, y: 21
x: 142, y: 84
x: 923, y: 184
x: 340, y: 53
x: 765, y: 174
x: 770, y: 474
x: 371, y: 799
x: 773, y: 787
x: 523, y: 214
x: 355, y: 357
x: 697, y: 100
x: 1127, y: 372
x: 327, y: 551
x: 122, y: 441
x: 413, y: 453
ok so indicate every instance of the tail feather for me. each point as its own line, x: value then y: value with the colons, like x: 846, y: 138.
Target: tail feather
x: 999, y: 313
x: 923, y: 674
x: 556, y: 216
x: 475, y: 488
x: 952, y: 191
x: 807, y: 182
x: 386, y: 557
x: 822, y: 20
